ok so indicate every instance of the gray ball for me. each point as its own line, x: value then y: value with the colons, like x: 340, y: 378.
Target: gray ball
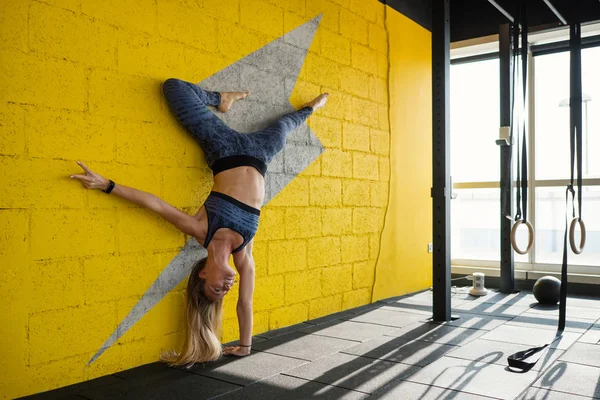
x: 547, y: 290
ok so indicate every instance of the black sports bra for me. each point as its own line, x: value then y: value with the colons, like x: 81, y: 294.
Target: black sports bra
x: 225, y: 163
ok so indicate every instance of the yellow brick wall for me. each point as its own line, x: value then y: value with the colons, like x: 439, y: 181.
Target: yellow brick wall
x: 80, y: 80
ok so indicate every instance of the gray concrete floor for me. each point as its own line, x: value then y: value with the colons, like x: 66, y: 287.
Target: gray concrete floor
x: 389, y: 350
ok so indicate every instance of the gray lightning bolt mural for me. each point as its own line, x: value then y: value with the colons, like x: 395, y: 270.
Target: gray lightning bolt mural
x: 270, y: 73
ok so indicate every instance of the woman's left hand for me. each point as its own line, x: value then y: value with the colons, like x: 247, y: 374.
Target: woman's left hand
x: 236, y: 351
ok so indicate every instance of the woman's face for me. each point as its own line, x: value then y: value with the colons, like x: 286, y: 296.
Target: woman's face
x: 219, y: 280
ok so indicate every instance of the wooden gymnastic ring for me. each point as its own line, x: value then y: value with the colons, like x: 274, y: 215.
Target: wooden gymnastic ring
x: 513, y: 234
x: 572, y: 235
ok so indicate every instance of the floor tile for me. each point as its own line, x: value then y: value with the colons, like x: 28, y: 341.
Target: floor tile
x: 406, y: 390
x: 583, y: 353
x: 572, y: 312
x: 246, y: 370
x: 520, y: 299
x: 349, y: 330
x: 477, y: 321
x: 571, y: 378
x: 489, y: 309
x: 289, y: 388
x: 540, y: 321
x: 481, y: 347
x: 388, y: 317
x: 530, y: 336
x: 353, y: 372
x: 474, y: 377
x: 282, y: 331
x: 534, y: 393
x: 591, y: 336
x: 414, y: 352
x: 72, y: 390
x: 432, y: 332
x: 303, y: 346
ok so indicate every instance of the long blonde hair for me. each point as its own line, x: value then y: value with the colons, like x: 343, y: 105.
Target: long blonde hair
x: 204, y: 319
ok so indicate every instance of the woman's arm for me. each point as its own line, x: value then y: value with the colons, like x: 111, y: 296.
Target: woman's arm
x: 244, y: 262
x: 184, y: 222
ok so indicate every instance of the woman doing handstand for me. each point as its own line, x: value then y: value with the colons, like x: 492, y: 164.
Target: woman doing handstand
x: 228, y: 220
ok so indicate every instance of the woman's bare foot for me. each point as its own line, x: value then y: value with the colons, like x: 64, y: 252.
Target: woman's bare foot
x: 228, y: 98
x: 318, y: 102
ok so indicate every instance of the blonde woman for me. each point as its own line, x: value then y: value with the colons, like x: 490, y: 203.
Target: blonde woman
x: 228, y: 219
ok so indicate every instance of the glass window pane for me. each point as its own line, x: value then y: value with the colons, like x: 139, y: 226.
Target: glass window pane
x: 474, y: 121
x: 590, y: 65
x: 550, y: 226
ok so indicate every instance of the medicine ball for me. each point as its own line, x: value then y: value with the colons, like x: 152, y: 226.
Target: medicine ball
x: 547, y: 290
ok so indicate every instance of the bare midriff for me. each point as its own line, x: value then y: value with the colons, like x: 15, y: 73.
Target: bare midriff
x: 245, y: 184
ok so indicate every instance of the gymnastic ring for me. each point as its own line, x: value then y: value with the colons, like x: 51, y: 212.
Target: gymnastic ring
x: 513, y: 234
x: 572, y: 235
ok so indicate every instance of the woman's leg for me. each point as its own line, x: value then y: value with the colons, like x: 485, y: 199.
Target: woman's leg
x: 189, y: 104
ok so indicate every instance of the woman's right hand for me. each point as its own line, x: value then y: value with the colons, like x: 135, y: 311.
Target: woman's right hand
x: 90, y: 179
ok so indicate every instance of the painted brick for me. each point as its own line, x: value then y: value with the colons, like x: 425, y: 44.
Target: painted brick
x: 328, y: 130
x: 292, y: 21
x: 382, y: 66
x: 64, y: 372
x: 295, y: 160
x: 25, y: 80
x: 338, y: 104
x: 272, y: 224
x: 14, y: 235
x: 378, y: 38
x: 354, y: 27
x: 379, y: 194
x: 144, y: 55
x: 262, y: 17
x: 260, y: 323
x: 112, y: 277
x: 287, y: 316
x: 302, y: 222
x: 64, y: 34
x: 374, y: 245
x: 126, y: 96
x: 355, y: 82
x: 336, y: 279
x: 330, y: 11
x: 343, y: 3
x: 269, y: 293
x: 12, y: 129
x: 142, y: 230
x: 260, y: 253
x: 199, y: 65
x: 185, y: 187
x: 314, y: 168
x: 295, y: 6
x: 325, y: 306
x: 356, y: 137
x: 324, y: 251
x: 356, y: 193
x: 384, y: 169
x: 363, y: 274
x: 301, y: 286
x: 364, y: 112
x: 367, y: 220
x: 335, y: 47
x: 228, y: 10
x: 39, y: 183
x: 157, y: 322
x: 73, y: 5
x: 132, y: 14
x: 59, y: 284
x: 336, y: 221
x: 321, y: 71
x: 365, y: 166
x: 380, y: 11
x: 384, y: 121
x: 286, y: 256
x: 13, y: 17
x: 356, y: 298
x: 325, y: 192
x: 355, y: 248
x: 336, y: 163
x: 303, y: 92
x: 70, y: 135
x: 182, y: 21
x: 148, y: 143
x: 378, y: 90
x: 55, y: 235
x: 236, y: 41
x: 139, y: 177
x: 296, y: 193
x: 366, y: 9
x: 58, y: 334
x: 364, y: 58
x: 380, y: 142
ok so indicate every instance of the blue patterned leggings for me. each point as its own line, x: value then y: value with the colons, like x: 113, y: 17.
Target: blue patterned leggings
x: 190, y: 104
